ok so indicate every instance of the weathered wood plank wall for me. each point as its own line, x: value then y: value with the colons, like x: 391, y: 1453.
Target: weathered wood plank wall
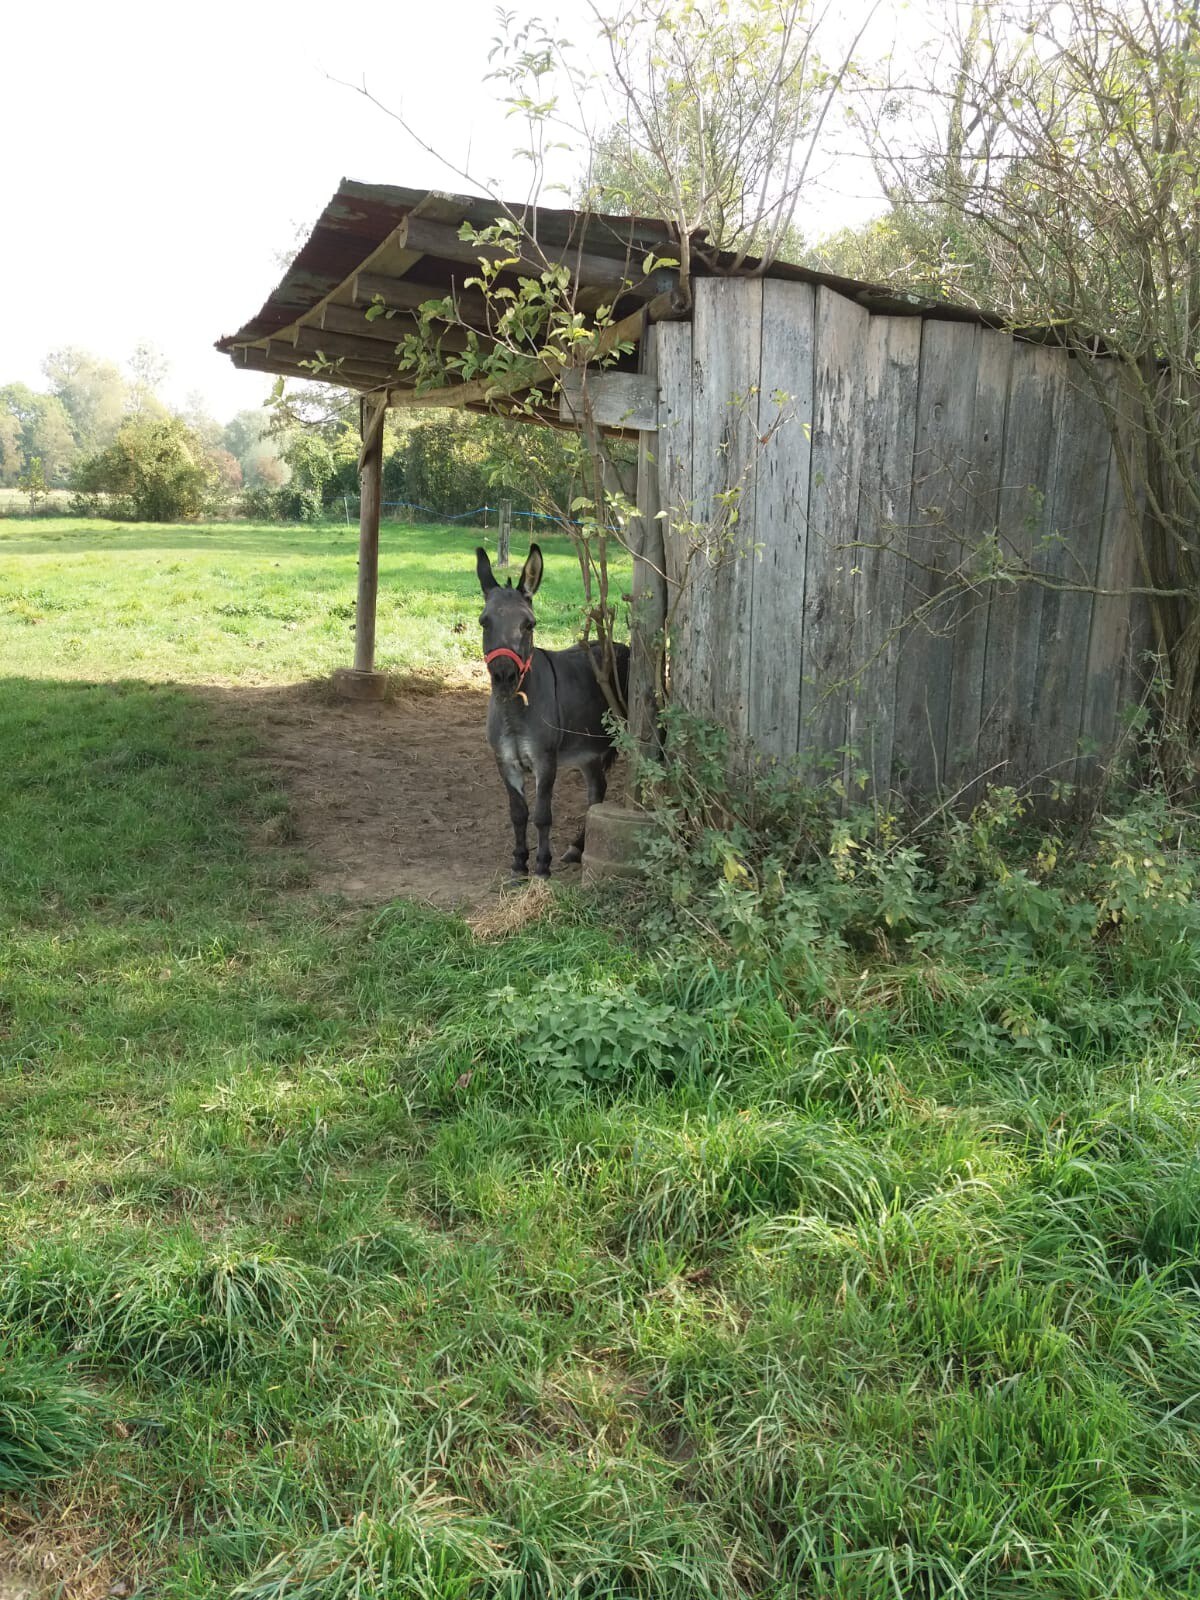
x: 785, y: 403
x: 839, y: 489
x: 839, y: 362
x: 884, y: 507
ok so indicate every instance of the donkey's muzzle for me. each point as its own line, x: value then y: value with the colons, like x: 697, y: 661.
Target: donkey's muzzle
x: 503, y: 673
x: 507, y: 668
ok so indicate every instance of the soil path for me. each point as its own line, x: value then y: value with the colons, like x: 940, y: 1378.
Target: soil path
x: 400, y: 798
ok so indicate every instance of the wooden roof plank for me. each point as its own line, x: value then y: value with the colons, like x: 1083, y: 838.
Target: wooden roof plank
x: 587, y: 267
x: 401, y: 294
x: 281, y: 365
x: 369, y: 236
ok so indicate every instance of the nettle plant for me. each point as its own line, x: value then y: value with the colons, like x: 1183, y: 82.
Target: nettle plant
x: 764, y: 863
x: 582, y: 1037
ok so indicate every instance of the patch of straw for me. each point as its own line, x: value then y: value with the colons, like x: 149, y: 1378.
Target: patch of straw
x: 51, y: 1552
x: 513, y: 911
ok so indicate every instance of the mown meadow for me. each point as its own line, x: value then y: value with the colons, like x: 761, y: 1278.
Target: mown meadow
x: 247, y: 603
x: 820, y: 1223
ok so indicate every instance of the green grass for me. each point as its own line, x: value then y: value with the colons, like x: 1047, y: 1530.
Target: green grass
x: 246, y: 603
x: 334, y: 1263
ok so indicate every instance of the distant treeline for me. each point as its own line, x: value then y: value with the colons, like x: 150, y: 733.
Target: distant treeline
x: 108, y: 438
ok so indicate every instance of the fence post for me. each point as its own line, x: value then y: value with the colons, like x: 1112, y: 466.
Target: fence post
x: 505, y: 533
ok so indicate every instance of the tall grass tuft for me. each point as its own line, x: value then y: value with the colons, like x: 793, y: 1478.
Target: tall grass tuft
x: 49, y: 1423
x: 429, y: 1550
x: 147, y: 1307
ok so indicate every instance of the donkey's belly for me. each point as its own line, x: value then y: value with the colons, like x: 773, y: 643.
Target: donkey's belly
x: 582, y: 751
x: 516, y: 755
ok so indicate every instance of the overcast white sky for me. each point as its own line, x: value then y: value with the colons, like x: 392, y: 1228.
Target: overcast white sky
x: 160, y: 158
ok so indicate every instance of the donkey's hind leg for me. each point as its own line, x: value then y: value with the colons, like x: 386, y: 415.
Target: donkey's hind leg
x: 595, y: 776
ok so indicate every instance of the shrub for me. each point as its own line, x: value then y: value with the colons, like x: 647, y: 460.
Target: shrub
x: 310, y: 459
x: 774, y: 867
x: 155, y: 470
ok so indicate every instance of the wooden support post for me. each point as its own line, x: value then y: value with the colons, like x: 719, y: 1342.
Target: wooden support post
x: 363, y: 682
x: 505, y: 534
x: 371, y: 484
x: 648, y: 610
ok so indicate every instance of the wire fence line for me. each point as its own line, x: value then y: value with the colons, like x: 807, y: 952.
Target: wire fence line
x: 64, y: 502
x: 478, y: 515
x: 479, y: 511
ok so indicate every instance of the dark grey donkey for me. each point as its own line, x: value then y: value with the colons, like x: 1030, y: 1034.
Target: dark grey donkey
x: 546, y: 711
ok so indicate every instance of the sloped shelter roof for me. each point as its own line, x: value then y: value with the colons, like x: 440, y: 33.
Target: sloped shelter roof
x: 373, y: 241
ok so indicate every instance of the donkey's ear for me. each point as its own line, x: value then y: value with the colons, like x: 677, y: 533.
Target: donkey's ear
x: 483, y: 567
x: 531, y: 572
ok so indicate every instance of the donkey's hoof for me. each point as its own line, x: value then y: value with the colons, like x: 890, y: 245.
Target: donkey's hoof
x: 572, y: 856
x: 541, y: 872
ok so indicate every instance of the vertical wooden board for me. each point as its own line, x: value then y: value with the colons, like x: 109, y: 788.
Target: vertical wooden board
x: 1026, y: 502
x: 1083, y: 446
x: 1112, y: 684
x: 890, y: 373
x: 673, y: 447
x: 1141, y: 658
x: 726, y: 329
x: 837, y: 447
x: 648, y: 596
x: 781, y: 517
x: 941, y: 458
x: 981, y: 514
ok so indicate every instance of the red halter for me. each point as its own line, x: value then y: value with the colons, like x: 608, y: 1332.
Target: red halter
x: 512, y: 655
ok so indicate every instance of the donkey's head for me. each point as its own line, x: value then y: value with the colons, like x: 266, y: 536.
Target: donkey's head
x: 508, y: 620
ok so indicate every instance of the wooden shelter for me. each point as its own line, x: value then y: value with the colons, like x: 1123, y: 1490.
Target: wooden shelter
x: 401, y: 247
x: 932, y: 558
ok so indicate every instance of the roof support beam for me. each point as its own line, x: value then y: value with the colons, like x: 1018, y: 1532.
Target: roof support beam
x: 373, y: 350
x: 339, y: 362
x: 372, y: 353
x: 382, y: 331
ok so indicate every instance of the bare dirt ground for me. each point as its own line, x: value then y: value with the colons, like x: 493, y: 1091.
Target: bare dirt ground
x: 401, y: 797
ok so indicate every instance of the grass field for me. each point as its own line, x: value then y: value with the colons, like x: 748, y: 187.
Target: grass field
x: 245, y: 603
x: 357, y: 1255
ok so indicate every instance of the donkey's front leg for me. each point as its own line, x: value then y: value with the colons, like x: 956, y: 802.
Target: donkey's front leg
x: 518, y: 810
x: 544, y: 774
